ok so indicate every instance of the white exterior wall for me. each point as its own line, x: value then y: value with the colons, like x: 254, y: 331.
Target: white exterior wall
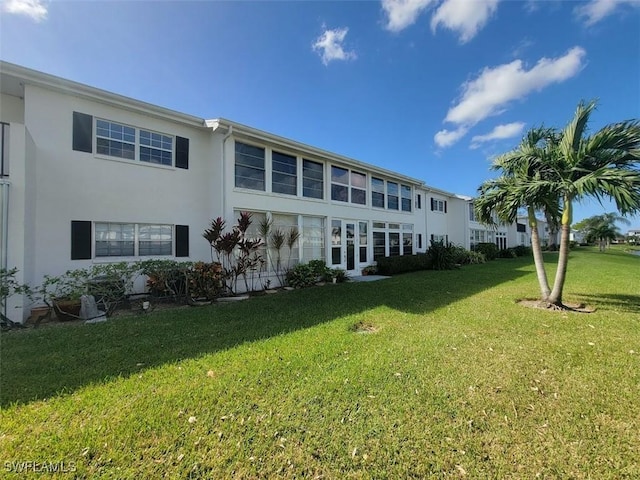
x: 11, y: 109
x: 71, y: 185
x: 458, y: 214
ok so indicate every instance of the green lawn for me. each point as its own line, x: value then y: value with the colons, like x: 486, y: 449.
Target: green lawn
x: 457, y: 380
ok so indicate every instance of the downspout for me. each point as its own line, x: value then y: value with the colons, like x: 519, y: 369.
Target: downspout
x: 224, y: 169
x: 4, y: 238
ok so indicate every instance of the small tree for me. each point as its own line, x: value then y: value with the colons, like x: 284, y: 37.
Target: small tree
x: 236, y: 253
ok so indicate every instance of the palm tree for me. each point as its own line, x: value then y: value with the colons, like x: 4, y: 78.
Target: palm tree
x: 603, y: 165
x: 551, y: 169
x: 522, y: 185
x: 601, y: 228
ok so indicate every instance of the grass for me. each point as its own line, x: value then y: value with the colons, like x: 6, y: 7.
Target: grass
x: 450, y: 378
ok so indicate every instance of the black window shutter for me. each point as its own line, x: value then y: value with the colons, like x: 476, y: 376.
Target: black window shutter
x: 80, y: 240
x: 82, y: 132
x: 419, y: 240
x: 419, y: 201
x: 445, y: 206
x: 182, y: 152
x: 432, y: 202
x: 182, y: 240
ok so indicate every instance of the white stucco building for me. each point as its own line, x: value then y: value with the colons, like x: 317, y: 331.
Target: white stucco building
x: 90, y: 176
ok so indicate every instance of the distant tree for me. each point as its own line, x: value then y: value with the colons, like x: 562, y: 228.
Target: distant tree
x: 565, y: 166
x: 601, y: 229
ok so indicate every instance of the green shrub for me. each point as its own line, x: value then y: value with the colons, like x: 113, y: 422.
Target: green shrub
x: 320, y: 270
x: 490, y: 250
x: 339, y: 274
x: 403, y: 264
x: 301, y: 276
x: 441, y: 256
x: 522, y: 251
x: 507, y: 253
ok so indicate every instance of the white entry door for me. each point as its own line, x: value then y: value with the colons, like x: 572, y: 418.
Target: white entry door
x: 345, y: 243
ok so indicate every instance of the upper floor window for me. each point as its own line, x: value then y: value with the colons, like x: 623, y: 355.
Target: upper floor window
x: 122, y: 141
x: 156, y: 148
x: 284, y: 175
x: 312, y: 179
x: 438, y: 205
x: 377, y: 192
x: 405, y: 191
x: 392, y: 196
x: 115, y: 140
x: 348, y: 186
x: 250, y: 172
x: 472, y: 213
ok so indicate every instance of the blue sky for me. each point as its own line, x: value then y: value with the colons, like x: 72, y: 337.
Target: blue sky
x: 429, y: 88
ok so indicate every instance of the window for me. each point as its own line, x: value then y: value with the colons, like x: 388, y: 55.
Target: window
x: 286, y: 224
x: 115, y: 140
x: 336, y: 242
x: 358, y: 188
x: 439, y: 238
x: 476, y: 236
x: 392, y: 196
x: 339, y: 184
x: 418, y: 201
x: 379, y: 245
x: 407, y: 239
x: 521, y: 227
x: 438, y: 205
x: 363, y: 237
x: 377, y: 192
x: 312, y: 179
x: 127, y: 142
x: 154, y: 240
x: 284, y: 175
x: 405, y: 191
x: 118, y: 140
x: 348, y: 186
x: 131, y: 239
x: 312, y: 238
x: 249, y: 167
x: 472, y: 213
x: 156, y: 148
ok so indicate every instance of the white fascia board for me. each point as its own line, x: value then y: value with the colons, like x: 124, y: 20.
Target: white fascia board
x: 244, y: 131
x: 68, y: 87
x: 443, y: 192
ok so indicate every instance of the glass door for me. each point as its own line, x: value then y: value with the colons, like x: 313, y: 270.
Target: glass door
x: 344, y: 245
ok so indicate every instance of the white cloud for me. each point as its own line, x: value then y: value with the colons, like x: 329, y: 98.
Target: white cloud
x: 403, y: 13
x: 329, y: 46
x: 500, y: 132
x: 464, y: 16
x: 446, y: 138
x: 596, y: 10
x: 35, y: 9
x: 495, y: 87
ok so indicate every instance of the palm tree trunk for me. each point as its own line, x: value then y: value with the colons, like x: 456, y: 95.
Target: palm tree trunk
x: 563, y: 255
x: 537, y: 256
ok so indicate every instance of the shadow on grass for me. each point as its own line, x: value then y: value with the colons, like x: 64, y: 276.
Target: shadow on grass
x: 39, y: 363
x: 612, y: 301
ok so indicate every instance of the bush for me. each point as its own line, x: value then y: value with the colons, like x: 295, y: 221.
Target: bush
x: 339, y: 274
x: 490, y: 250
x: 522, y: 251
x: 320, y: 270
x: 507, y: 253
x: 166, y: 278
x: 205, y: 280
x: 301, y: 276
x: 403, y: 264
x: 441, y: 256
x: 462, y: 256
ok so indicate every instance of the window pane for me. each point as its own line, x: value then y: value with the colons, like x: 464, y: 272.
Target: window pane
x: 377, y: 185
x: 378, y: 245
x: 284, y: 176
x: 358, y: 196
x: 114, y: 239
x: 340, y: 175
x: 249, y: 167
x: 339, y: 193
x: 358, y: 180
x: 407, y: 244
x: 392, y: 188
x: 312, y: 179
x: 392, y: 202
x: 312, y: 238
x: 377, y: 199
x: 394, y: 244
